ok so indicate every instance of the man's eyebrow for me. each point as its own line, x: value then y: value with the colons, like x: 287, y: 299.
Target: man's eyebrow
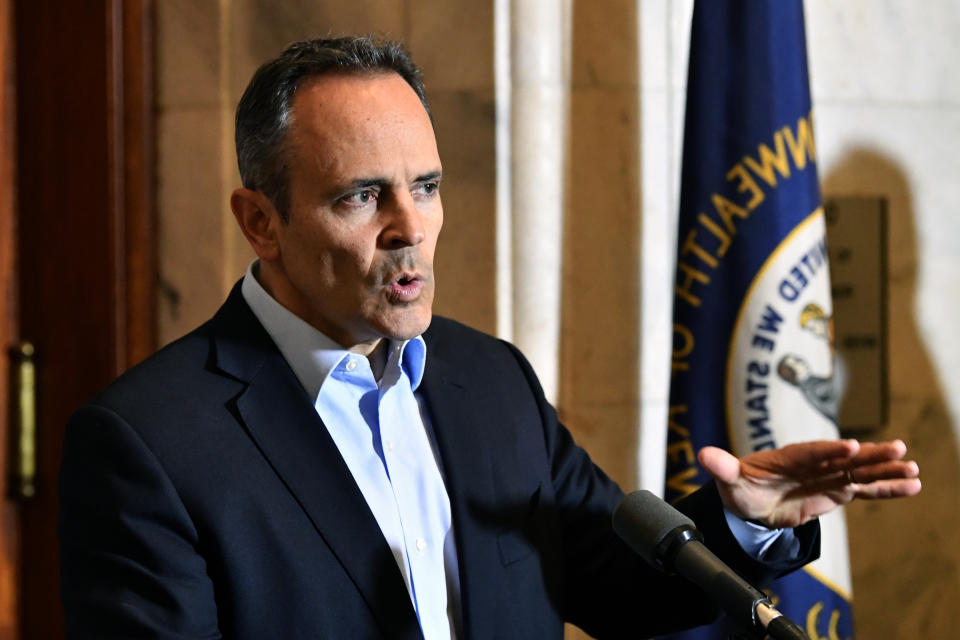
x: 364, y: 183
x: 430, y: 177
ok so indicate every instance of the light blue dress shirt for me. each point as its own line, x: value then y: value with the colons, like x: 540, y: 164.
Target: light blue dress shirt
x: 380, y: 428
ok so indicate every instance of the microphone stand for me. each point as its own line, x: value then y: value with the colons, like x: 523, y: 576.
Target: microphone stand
x: 769, y: 623
x: 778, y: 626
x: 732, y: 593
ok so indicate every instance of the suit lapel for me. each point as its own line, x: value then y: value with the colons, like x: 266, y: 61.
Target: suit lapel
x: 282, y: 421
x: 458, y: 421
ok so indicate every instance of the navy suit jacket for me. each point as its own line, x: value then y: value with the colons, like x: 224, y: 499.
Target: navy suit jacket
x: 202, y: 497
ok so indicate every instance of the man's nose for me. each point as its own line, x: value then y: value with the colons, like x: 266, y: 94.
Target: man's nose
x: 404, y: 223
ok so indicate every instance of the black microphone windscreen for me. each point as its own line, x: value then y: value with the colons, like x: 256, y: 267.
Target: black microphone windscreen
x: 643, y: 520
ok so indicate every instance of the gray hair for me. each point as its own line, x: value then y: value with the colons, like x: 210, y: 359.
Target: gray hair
x: 264, y: 111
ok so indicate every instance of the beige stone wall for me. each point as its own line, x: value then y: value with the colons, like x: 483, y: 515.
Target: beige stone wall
x: 195, y: 241
x: 599, y: 338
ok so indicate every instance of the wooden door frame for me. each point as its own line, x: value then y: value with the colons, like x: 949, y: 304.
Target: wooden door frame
x: 133, y: 180
x: 9, y: 522
x: 78, y: 265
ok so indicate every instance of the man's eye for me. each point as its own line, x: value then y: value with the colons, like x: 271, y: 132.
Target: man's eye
x: 427, y: 188
x: 359, y: 198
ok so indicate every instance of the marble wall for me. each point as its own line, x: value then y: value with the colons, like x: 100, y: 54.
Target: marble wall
x: 599, y: 344
x: 887, y: 101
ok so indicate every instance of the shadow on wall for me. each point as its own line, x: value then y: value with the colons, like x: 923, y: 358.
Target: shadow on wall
x: 905, y: 555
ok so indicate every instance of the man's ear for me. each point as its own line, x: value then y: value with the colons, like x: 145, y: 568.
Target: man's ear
x: 258, y: 219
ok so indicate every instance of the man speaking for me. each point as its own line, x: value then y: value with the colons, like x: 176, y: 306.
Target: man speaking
x: 326, y: 459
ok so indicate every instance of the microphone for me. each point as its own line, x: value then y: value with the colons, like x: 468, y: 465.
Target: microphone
x: 670, y: 541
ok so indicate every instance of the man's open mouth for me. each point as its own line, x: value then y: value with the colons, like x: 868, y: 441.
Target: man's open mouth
x: 405, y: 287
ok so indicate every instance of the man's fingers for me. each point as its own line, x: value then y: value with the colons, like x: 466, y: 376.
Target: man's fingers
x: 876, y: 480
x: 871, y: 452
x: 891, y: 470
x: 843, y: 455
x: 888, y: 489
x: 820, y: 454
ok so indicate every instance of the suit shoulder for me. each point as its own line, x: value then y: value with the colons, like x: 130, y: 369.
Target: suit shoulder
x: 446, y: 335
x: 173, y: 369
x: 473, y: 350
x: 442, y: 327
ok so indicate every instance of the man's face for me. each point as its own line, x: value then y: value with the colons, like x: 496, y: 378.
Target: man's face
x: 356, y: 256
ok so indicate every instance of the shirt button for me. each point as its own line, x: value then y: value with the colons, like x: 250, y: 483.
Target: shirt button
x: 389, y: 445
x: 351, y: 364
x: 421, y: 544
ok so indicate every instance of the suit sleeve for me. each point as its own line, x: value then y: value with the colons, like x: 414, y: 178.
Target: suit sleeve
x: 609, y: 591
x: 128, y: 549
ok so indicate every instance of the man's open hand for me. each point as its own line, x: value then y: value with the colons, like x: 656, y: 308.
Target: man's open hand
x: 787, y: 487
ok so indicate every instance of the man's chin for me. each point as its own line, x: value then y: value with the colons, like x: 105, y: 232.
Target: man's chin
x: 406, y: 328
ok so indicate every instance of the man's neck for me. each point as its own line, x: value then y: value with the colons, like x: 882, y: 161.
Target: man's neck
x: 377, y: 355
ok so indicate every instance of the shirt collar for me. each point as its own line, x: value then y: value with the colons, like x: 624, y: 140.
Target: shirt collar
x: 413, y: 359
x: 311, y: 354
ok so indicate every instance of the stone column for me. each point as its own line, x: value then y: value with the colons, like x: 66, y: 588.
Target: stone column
x: 539, y: 91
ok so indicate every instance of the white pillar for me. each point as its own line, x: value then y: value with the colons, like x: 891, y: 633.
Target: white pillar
x: 663, y: 32
x: 539, y: 88
x: 504, y: 231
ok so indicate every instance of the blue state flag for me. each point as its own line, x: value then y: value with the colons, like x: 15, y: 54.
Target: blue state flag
x: 752, y: 337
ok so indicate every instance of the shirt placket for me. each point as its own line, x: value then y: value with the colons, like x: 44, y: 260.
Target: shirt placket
x: 420, y: 498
